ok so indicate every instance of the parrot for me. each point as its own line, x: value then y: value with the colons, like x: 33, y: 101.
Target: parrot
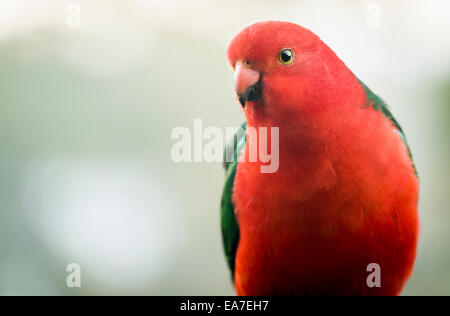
x: 345, y: 195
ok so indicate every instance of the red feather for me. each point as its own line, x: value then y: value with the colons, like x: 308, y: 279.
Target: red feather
x: 345, y: 194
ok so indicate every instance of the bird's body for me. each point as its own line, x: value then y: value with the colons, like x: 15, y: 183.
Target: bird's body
x: 345, y: 193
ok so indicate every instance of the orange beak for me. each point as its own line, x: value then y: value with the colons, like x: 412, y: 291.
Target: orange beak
x: 247, y: 83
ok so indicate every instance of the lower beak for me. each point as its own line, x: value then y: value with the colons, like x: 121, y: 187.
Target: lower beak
x: 247, y: 84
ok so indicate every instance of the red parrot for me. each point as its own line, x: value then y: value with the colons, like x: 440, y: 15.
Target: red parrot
x: 345, y: 194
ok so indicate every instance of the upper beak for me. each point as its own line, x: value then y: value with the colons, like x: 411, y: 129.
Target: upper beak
x: 247, y: 83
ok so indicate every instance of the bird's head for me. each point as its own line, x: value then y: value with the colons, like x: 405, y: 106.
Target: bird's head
x: 281, y: 69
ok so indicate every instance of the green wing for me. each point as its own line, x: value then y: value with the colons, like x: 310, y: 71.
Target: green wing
x: 378, y: 104
x: 230, y: 228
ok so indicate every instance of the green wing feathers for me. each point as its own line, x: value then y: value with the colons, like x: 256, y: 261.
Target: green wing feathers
x: 230, y: 228
x: 378, y: 104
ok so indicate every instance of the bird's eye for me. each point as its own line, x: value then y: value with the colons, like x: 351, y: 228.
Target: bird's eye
x: 286, y: 56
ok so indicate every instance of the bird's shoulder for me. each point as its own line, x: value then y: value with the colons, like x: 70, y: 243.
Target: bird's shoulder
x: 229, y: 224
x: 378, y: 104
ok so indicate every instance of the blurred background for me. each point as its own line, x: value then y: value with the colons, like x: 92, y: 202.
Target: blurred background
x: 90, y: 92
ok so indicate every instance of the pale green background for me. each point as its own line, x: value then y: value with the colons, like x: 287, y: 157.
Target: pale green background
x: 86, y: 116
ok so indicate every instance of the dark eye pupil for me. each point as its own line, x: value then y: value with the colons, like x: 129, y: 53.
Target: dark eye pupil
x: 286, y: 56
